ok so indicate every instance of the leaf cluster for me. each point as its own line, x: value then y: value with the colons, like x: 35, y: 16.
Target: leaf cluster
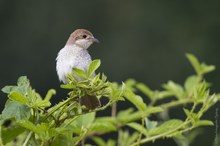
x: 35, y: 121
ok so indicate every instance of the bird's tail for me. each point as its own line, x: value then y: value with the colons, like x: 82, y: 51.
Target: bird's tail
x: 90, y: 102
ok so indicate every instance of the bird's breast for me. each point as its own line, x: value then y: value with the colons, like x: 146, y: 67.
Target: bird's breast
x: 69, y: 59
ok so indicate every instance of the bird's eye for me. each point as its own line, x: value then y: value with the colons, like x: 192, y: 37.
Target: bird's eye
x: 84, y: 36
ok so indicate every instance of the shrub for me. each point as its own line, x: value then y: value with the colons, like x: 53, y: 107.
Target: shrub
x: 34, y: 121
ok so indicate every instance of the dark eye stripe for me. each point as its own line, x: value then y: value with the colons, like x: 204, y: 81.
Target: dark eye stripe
x: 80, y: 37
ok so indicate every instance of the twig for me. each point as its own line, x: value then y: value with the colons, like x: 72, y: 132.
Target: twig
x: 153, y: 138
x: 56, y: 108
x: 27, y: 139
x: 114, y: 109
x: 176, y: 103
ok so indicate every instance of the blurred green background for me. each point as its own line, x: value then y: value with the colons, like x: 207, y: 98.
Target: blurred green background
x: 146, y: 40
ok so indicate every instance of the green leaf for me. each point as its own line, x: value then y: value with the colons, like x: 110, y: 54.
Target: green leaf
x: 106, y: 119
x: 207, y: 68
x: 166, y: 126
x: 80, y: 73
x: 16, y: 110
x: 61, y: 140
x: 102, y: 126
x: 42, y: 103
x: 152, y: 110
x: 200, y: 94
x: 195, y: 63
x: 23, y: 83
x: 8, y: 89
x: 187, y: 112
x: 111, y: 143
x: 20, y: 89
x: 85, y: 120
x: 94, y: 65
x: 204, y: 123
x: 67, y: 86
x: 9, y: 134
x: 96, y: 78
x: 194, y: 117
x: 16, y: 96
x: 70, y: 78
x: 202, y: 68
x: 146, y: 90
x: 116, y: 92
x: 128, y: 115
x: 138, y: 127
x: 83, y: 84
x: 30, y: 126
x: 42, y: 130
x: 125, y: 139
x: 175, y: 89
x: 99, y: 141
x: 136, y: 100
x: 158, y: 95
x: 130, y: 83
x: 132, y: 138
x: 191, y: 82
x: 150, y: 124
x: 104, y: 77
x: 124, y: 113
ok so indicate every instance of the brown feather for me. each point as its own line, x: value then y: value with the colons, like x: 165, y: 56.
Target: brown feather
x: 90, y: 102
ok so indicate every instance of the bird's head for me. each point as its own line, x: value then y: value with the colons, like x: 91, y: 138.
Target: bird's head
x: 82, y: 38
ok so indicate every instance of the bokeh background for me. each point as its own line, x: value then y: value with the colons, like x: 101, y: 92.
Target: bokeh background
x: 145, y: 40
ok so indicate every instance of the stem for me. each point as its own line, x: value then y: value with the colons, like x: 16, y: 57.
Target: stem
x: 73, y: 119
x: 27, y: 139
x: 104, y: 107
x: 99, y: 109
x: 170, y: 133
x: 83, y: 142
x: 114, y: 109
x: 141, y: 133
x: 56, y: 108
x: 176, y: 103
x: 1, y: 143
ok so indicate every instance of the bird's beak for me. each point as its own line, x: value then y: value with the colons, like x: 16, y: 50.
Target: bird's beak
x: 94, y: 40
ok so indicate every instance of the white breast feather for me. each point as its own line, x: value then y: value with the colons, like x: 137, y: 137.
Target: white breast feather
x: 71, y: 57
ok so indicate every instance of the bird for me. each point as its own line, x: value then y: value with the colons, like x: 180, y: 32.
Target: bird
x: 75, y: 55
